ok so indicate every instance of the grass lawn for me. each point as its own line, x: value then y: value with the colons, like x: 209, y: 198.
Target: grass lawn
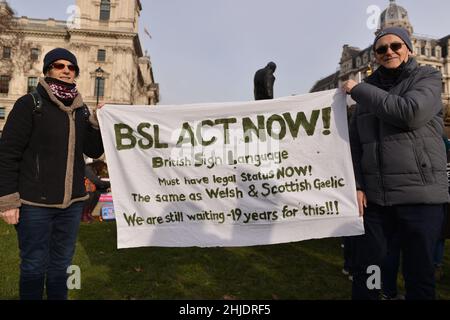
x: 309, y: 270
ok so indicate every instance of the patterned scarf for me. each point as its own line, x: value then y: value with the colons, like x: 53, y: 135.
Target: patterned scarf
x: 65, y: 92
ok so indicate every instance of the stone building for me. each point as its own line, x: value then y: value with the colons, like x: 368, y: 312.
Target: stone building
x: 357, y: 64
x: 101, y: 33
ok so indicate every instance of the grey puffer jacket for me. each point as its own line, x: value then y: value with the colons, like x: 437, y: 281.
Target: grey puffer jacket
x: 397, y: 138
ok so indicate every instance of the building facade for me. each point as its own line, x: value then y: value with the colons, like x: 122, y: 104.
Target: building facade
x: 357, y: 64
x: 103, y: 34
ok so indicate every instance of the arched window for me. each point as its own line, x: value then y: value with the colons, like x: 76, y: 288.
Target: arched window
x: 4, y: 84
x: 438, y: 52
x: 32, y: 84
x: 105, y: 10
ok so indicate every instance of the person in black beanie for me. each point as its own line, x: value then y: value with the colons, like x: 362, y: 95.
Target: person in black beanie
x: 399, y: 161
x: 42, y: 175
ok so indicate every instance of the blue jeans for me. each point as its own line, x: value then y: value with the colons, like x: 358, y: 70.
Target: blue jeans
x: 47, y: 239
x: 418, y: 227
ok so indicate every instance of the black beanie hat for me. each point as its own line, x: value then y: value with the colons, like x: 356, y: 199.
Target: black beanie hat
x: 60, y: 54
x: 399, y: 32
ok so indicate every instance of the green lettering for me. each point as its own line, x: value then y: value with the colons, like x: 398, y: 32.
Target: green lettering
x: 301, y: 121
x: 226, y: 128
x: 121, y: 136
x: 280, y: 120
x: 200, y: 136
x: 146, y: 136
x: 190, y: 139
x: 250, y: 127
x: 159, y: 145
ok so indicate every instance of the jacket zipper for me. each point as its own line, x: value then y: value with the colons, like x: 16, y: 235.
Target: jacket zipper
x: 419, y: 165
x: 37, y: 168
x: 380, y: 163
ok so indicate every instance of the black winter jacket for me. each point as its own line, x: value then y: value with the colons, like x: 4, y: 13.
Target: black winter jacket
x: 396, y: 138
x: 41, y: 153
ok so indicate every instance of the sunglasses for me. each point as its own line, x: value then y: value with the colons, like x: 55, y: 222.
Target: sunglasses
x: 60, y: 66
x: 395, y: 46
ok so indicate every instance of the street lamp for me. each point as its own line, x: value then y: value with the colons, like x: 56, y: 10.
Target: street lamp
x: 98, y: 76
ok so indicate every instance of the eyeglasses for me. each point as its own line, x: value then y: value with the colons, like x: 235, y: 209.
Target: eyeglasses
x: 61, y: 66
x: 395, y: 46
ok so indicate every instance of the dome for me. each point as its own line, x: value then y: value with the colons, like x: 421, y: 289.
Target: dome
x: 395, y: 16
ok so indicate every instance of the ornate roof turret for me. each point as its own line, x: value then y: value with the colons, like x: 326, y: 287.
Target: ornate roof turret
x: 5, y: 8
x: 395, y: 16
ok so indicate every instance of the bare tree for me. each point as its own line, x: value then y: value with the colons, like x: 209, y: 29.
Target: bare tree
x: 130, y: 83
x: 14, y: 50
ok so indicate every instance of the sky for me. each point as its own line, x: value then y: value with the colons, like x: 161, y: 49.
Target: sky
x: 208, y: 50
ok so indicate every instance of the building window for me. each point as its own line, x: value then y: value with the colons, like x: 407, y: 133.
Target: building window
x: 6, y: 52
x: 105, y: 10
x: 100, y: 90
x: 438, y: 53
x: 32, y: 83
x: 2, y: 113
x: 34, y: 54
x: 365, y: 58
x: 101, y: 55
x: 4, y: 84
x: 422, y: 51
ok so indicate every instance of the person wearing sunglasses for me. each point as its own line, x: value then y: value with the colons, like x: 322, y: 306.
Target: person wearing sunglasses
x: 400, y: 164
x: 42, y: 174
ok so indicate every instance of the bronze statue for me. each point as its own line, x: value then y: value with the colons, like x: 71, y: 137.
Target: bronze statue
x: 263, y: 81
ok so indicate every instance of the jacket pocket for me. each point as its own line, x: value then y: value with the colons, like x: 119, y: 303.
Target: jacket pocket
x: 424, y: 165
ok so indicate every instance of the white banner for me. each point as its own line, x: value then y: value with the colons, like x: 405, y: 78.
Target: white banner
x: 231, y: 174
